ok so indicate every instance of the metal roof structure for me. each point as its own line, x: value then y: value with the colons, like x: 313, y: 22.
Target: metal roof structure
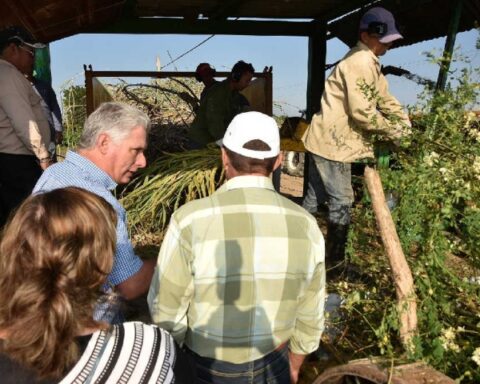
x: 319, y: 20
x: 417, y: 20
x: 50, y: 20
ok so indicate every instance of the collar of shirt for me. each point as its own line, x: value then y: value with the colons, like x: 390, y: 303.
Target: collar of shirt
x: 247, y: 182
x: 89, y: 167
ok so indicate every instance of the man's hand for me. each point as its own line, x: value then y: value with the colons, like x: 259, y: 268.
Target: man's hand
x: 296, y: 362
x: 138, y: 284
x: 45, y: 163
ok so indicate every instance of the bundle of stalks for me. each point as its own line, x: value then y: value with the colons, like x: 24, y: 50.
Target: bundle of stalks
x: 166, y: 137
x: 170, y: 104
x: 169, y: 182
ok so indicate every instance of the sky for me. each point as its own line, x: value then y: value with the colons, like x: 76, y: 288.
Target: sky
x: 287, y: 56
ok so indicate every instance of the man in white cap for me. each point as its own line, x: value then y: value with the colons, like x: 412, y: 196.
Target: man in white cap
x: 240, y: 279
x: 355, y: 106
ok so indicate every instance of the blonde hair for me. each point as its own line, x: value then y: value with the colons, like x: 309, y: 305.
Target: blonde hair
x: 55, y: 255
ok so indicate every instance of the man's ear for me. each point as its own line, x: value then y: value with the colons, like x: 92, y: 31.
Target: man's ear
x: 103, y: 143
x: 364, y: 37
x: 9, y: 50
x: 225, y: 159
x: 278, y: 161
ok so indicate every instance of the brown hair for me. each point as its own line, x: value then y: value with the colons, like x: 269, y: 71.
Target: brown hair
x: 55, y: 254
x: 247, y: 165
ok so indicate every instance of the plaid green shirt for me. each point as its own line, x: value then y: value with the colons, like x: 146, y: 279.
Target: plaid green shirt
x: 241, y: 272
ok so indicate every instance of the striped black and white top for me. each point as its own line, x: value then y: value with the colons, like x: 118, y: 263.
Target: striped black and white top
x: 131, y: 352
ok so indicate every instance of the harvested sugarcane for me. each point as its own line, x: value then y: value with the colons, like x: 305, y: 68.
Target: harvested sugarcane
x: 169, y: 182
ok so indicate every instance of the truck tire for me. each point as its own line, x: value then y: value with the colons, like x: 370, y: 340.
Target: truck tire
x: 294, y: 163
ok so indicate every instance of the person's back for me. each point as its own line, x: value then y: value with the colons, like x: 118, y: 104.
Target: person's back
x: 240, y: 278
x: 208, y: 119
x: 55, y: 255
x: 248, y: 259
x: 131, y: 352
x: 343, y: 127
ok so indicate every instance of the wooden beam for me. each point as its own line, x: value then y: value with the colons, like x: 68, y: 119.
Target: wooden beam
x: 317, y: 53
x: 344, y: 8
x: 89, y: 11
x: 228, y: 7
x: 161, y: 74
x: 204, y: 27
x: 90, y: 75
x: 20, y: 11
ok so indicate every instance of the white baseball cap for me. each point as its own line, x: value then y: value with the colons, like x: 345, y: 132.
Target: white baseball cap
x: 250, y: 126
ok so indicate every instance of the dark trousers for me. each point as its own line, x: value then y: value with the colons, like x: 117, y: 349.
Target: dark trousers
x: 18, y: 176
x: 273, y: 368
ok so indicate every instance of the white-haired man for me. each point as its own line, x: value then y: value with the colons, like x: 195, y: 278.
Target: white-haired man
x: 110, y: 150
x: 240, y: 279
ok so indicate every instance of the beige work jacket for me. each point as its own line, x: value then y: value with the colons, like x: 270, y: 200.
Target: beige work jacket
x: 342, y: 130
x: 24, y: 128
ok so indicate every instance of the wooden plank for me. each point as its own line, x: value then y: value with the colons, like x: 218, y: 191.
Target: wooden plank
x: 402, y: 275
x: 161, y: 74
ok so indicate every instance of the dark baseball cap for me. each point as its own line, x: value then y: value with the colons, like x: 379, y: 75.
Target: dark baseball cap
x: 381, y: 15
x: 18, y: 35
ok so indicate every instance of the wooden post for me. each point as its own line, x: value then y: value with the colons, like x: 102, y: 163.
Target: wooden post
x: 402, y: 276
x: 268, y: 93
x: 317, y: 54
x: 89, y: 88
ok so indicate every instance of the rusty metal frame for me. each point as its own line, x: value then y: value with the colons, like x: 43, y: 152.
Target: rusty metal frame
x: 90, y: 74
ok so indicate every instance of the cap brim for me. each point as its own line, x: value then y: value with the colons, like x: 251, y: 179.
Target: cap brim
x: 35, y: 45
x: 390, y: 38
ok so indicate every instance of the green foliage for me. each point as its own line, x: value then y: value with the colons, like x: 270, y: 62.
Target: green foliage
x: 74, y: 113
x: 436, y: 175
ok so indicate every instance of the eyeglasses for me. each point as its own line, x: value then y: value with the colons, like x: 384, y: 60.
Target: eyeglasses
x: 30, y: 51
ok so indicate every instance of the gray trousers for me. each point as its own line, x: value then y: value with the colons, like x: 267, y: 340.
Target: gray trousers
x: 329, y: 182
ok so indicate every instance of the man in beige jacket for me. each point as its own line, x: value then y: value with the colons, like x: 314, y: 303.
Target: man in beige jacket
x: 355, y: 106
x: 24, y: 129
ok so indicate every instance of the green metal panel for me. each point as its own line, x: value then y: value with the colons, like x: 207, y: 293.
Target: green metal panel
x: 42, y: 64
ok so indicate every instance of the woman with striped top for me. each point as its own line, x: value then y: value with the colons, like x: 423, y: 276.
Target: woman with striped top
x: 55, y: 255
